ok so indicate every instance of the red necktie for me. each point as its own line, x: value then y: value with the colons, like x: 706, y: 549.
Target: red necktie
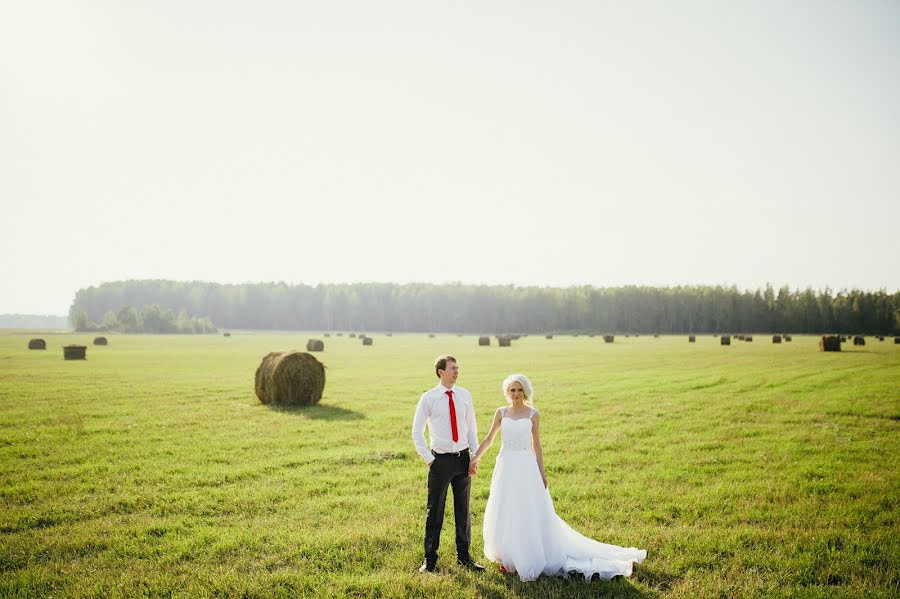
x: 452, y: 417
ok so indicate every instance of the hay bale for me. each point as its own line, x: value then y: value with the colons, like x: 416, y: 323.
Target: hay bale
x: 101, y: 341
x: 352, y: 335
x: 515, y: 337
x: 692, y: 339
x: 340, y: 334
x: 896, y: 340
x: 881, y: 337
x: 503, y: 341
x: 367, y: 340
x: 787, y: 338
x: 656, y: 336
x: 484, y: 341
x: 227, y: 334
x: 859, y: 340
x: 548, y: 337
x: 37, y: 344
x: 776, y: 338
x: 315, y: 345
x: 748, y: 337
x: 725, y: 340
x: 740, y: 337
x: 843, y: 339
x: 75, y: 352
x: 326, y: 335
x: 389, y: 334
x: 290, y: 378
x: 609, y: 338
x: 431, y: 335
x: 830, y: 343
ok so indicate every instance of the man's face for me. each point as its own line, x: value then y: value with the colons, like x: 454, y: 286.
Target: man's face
x: 450, y: 374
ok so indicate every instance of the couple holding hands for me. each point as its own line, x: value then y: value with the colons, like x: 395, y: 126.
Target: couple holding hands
x: 522, y: 532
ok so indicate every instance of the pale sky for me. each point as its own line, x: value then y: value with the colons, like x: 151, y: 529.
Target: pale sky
x: 535, y: 143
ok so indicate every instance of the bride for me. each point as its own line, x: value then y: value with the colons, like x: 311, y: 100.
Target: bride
x: 521, y: 529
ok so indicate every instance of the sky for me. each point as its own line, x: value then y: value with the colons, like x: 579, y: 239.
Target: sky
x: 532, y: 143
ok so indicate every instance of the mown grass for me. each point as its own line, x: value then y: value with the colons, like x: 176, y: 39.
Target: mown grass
x: 150, y: 469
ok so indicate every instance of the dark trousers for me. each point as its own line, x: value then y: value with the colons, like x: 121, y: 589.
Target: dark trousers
x: 448, y: 470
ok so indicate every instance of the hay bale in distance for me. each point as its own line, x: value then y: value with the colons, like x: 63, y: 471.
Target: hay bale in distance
x: 881, y: 337
x: 367, y: 340
x: 315, y: 345
x: 609, y: 338
x: 843, y: 339
x: 896, y: 340
x: 340, y: 334
x: 515, y: 337
x: 226, y: 334
x: 830, y: 343
x: 431, y: 335
x: 748, y: 337
x: 859, y: 340
x: 725, y: 340
x: 692, y: 339
x: 389, y: 334
x: 503, y: 341
x: 548, y: 337
x: 37, y: 344
x: 787, y: 338
x: 290, y: 378
x: 326, y: 335
x: 776, y: 338
x: 484, y: 341
x: 75, y: 352
x: 352, y: 335
x: 101, y: 341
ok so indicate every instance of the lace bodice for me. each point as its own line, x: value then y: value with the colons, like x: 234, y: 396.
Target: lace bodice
x: 515, y: 435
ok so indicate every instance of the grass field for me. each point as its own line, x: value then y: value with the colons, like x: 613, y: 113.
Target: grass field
x: 150, y: 469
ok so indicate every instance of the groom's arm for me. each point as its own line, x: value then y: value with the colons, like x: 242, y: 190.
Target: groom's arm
x: 418, y: 431
x: 473, y: 428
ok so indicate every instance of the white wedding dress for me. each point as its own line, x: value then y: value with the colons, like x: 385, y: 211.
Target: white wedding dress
x: 521, y: 528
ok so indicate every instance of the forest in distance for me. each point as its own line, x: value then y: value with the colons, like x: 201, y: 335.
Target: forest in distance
x: 480, y: 309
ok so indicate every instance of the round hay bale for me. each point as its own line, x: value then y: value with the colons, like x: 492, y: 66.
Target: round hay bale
x: 776, y: 338
x: 692, y: 339
x: 725, y: 340
x: 830, y: 343
x: 315, y: 345
x: 227, y: 334
x: 37, y: 344
x: 290, y: 378
x: 388, y: 334
x: 431, y: 335
x: 859, y: 340
x: 75, y: 352
x: 515, y: 337
x: 326, y: 335
x: 340, y: 334
x: 609, y: 338
x: 896, y: 340
x: 484, y: 341
x: 748, y: 338
x: 843, y: 338
x: 367, y: 340
x: 787, y: 338
x: 548, y: 337
x: 881, y: 337
x: 352, y: 335
x: 101, y: 341
x: 656, y: 336
x: 503, y: 341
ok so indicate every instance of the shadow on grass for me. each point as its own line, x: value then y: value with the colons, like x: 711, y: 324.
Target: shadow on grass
x: 575, y: 586
x: 318, y: 412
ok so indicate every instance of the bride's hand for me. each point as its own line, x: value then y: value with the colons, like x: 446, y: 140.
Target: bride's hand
x: 473, y: 467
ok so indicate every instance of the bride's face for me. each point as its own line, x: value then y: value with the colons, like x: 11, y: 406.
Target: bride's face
x: 515, y: 392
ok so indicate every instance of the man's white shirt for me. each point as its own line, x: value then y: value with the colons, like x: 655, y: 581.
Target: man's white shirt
x: 434, y: 410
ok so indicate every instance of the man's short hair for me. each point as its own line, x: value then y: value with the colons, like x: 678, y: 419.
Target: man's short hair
x: 441, y: 364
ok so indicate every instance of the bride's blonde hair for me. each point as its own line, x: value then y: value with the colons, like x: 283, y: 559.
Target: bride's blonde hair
x: 526, y: 386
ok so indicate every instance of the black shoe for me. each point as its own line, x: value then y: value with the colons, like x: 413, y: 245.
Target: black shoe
x: 427, y: 566
x: 470, y: 564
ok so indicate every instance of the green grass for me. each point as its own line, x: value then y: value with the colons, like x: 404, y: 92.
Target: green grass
x: 150, y: 469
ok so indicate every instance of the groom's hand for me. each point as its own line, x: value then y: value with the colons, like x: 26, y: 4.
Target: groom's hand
x: 473, y: 467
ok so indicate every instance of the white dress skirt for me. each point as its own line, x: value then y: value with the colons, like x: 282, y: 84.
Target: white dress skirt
x: 521, y: 529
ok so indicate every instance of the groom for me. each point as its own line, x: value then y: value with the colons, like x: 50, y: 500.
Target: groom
x: 450, y: 415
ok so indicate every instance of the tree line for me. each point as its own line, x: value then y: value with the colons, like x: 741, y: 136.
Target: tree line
x: 149, y: 319
x: 484, y: 309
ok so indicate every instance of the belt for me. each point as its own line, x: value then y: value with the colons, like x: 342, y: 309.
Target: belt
x: 455, y: 454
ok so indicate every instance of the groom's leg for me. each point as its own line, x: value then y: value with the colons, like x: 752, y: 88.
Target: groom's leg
x: 461, y: 484
x: 439, y: 475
